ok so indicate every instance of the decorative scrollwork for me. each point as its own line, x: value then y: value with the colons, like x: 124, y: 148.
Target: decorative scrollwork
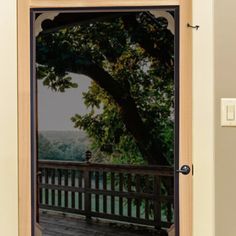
x: 170, y: 19
x: 157, y: 14
x: 44, y: 16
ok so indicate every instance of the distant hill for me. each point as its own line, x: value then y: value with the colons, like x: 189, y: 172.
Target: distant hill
x: 66, y: 136
x: 63, y: 145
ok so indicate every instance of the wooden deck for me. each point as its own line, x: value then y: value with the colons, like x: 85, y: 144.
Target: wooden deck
x: 61, y: 225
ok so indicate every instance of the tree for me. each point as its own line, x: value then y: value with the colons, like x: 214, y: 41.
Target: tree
x: 130, y: 59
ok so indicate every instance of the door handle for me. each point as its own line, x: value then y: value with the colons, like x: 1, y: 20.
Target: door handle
x: 185, y: 170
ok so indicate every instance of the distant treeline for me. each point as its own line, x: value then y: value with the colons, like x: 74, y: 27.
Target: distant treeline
x: 62, y: 145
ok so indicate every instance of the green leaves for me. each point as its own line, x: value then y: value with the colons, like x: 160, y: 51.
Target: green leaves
x: 52, y: 80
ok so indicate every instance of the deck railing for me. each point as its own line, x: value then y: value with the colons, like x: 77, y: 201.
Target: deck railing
x: 133, y: 194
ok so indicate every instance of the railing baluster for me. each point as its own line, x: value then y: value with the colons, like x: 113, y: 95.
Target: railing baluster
x: 80, y: 176
x: 121, y: 183
x: 169, y: 204
x: 138, y: 202
x: 76, y: 184
x: 169, y: 212
x: 129, y: 199
x: 40, y: 181
x: 42, y: 188
x: 59, y: 175
x: 53, y: 191
x: 73, y: 192
x: 66, y: 192
x: 146, y: 209
x: 104, y: 180
x: 97, y: 205
x: 157, y: 202
x: 147, y: 190
x: 87, y: 183
x: 112, y: 189
x: 46, y: 189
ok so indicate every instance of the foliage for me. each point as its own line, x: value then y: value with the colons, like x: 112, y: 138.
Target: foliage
x: 135, y: 53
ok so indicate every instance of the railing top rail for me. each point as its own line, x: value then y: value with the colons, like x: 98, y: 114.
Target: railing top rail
x: 150, y: 170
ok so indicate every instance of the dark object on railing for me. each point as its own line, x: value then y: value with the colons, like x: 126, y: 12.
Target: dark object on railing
x: 88, y: 156
x: 132, y: 194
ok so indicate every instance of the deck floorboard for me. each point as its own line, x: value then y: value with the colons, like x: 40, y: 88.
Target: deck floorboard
x: 61, y: 225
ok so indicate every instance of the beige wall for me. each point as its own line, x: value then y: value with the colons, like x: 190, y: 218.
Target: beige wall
x: 8, y: 120
x: 225, y: 86
x: 203, y: 121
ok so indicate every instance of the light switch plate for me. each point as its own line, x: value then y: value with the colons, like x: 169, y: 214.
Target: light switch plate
x: 228, y: 111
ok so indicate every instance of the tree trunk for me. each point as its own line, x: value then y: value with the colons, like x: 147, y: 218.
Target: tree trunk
x: 150, y: 149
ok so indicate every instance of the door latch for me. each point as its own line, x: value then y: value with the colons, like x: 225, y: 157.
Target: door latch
x: 185, y: 170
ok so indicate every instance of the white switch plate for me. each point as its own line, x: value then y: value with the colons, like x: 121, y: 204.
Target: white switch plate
x: 228, y: 111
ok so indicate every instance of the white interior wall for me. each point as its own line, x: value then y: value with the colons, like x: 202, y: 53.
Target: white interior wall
x: 8, y: 120
x: 203, y: 119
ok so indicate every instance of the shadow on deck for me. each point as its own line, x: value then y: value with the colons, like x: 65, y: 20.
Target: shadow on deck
x: 54, y: 224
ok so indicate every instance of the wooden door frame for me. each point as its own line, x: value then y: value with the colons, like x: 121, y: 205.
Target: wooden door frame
x: 24, y: 98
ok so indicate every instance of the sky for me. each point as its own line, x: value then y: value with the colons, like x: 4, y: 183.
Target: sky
x: 55, y: 109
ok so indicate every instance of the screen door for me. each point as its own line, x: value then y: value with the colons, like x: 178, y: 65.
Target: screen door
x: 105, y: 102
